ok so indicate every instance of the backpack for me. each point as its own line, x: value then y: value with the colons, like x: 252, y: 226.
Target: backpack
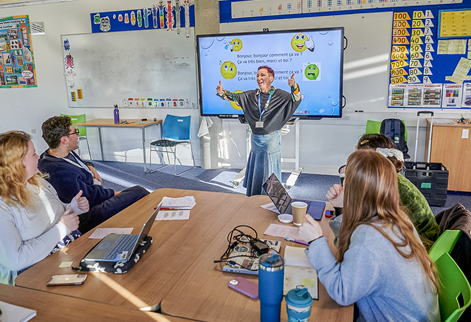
x: 396, y: 131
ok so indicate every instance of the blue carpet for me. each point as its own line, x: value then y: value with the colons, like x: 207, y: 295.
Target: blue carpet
x: 121, y: 175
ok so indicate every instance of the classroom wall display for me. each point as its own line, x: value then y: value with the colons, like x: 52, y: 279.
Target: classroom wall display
x: 313, y: 56
x: 427, y: 72
x: 163, y: 15
x: 17, y: 67
x: 233, y: 10
x: 136, y: 69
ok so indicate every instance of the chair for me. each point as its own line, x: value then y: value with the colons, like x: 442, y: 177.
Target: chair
x: 444, y: 244
x: 372, y: 127
x: 176, y: 130
x: 82, y: 130
x: 455, y: 292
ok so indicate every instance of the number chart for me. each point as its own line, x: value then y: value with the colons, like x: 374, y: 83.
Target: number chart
x: 426, y: 71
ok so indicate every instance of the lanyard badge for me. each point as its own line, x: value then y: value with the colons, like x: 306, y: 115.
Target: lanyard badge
x: 259, y: 124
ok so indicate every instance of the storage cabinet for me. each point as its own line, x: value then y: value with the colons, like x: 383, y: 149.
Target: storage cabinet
x: 451, y: 146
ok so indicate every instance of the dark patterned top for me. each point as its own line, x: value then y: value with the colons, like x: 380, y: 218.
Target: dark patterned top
x: 280, y: 109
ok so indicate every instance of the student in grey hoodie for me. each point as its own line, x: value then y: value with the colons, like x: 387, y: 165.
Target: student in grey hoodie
x: 381, y: 264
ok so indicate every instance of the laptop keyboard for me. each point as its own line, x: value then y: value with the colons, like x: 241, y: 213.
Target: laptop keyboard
x: 124, y: 243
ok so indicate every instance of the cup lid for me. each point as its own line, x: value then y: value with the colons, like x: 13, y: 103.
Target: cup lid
x: 299, y: 297
x: 271, y: 262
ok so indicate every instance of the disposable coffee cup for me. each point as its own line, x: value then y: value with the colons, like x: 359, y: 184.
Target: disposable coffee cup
x: 298, y: 305
x: 299, y: 209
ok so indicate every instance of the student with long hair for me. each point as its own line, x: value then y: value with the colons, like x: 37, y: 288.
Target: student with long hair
x: 381, y: 265
x: 33, y: 221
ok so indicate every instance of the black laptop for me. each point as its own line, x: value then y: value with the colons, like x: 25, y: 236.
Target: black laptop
x: 282, y: 200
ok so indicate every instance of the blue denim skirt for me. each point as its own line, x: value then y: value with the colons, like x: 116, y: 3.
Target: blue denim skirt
x: 264, y: 159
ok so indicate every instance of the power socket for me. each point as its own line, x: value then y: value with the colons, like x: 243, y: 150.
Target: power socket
x: 345, y: 117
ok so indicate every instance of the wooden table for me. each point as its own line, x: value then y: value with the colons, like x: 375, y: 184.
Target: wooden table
x: 178, y: 269
x: 131, y: 123
x: 52, y: 307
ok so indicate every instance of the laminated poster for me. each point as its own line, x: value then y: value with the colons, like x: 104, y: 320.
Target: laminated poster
x: 16, y: 53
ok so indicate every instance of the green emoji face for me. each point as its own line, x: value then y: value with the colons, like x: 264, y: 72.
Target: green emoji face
x: 311, y: 72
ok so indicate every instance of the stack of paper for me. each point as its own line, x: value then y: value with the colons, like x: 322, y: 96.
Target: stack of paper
x: 298, y: 271
x: 13, y: 313
x: 176, y: 208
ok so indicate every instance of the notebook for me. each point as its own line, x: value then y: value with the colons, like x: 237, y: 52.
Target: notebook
x: 244, y: 260
x: 282, y: 200
x: 14, y: 313
x: 120, y: 247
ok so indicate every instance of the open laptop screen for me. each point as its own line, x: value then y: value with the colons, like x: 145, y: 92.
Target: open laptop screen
x: 277, y: 193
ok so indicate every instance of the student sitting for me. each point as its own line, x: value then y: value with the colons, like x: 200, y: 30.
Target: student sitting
x: 33, y: 221
x: 69, y: 174
x: 412, y: 199
x: 382, y: 265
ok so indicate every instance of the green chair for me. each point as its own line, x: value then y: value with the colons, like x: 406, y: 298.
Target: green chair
x: 455, y: 292
x: 372, y: 127
x: 444, y: 244
x: 82, y: 130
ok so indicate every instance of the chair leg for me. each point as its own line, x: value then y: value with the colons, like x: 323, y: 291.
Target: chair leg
x: 150, y: 161
x: 89, y: 153
x: 192, y: 157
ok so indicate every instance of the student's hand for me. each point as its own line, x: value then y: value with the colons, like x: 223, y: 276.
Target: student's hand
x: 335, y: 195
x: 310, y: 229
x: 95, y: 173
x: 71, y: 220
x: 219, y: 88
x: 117, y: 193
x: 82, y: 202
x: 291, y: 81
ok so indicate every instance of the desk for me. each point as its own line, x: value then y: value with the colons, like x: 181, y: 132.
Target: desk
x: 178, y: 269
x: 52, y: 307
x: 132, y: 123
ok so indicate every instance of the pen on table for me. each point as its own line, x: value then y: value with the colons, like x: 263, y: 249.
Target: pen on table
x: 171, y: 209
x: 296, y: 241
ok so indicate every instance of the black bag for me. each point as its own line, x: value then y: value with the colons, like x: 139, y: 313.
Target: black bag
x: 396, y: 131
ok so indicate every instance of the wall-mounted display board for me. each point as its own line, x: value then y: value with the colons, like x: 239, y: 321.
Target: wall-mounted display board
x: 145, y: 69
x: 243, y: 10
x: 161, y: 16
x: 427, y: 72
x: 16, y: 53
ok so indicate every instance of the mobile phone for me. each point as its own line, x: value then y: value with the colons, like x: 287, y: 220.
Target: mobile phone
x: 329, y: 213
x: 71, y: 279
x: 244, y: 286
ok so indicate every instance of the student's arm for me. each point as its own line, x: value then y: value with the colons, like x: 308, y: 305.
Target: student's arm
x: 16, y: 254
x: 95, y: 173
x: 347, y: 282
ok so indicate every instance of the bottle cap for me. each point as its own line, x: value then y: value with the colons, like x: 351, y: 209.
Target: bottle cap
x: 299, y: 297
x: 271, y: 262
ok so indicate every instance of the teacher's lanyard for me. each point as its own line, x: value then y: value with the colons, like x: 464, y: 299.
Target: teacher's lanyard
x: 259, y: 124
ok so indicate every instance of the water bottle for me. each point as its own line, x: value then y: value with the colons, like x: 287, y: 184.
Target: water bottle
x: 116, y: 114
x: 270, y: 286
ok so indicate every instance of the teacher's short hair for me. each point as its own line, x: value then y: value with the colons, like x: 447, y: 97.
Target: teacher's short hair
x: 269, y: 70
x: 54, y: 128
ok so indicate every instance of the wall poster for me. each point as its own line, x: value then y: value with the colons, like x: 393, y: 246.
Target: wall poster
x: 17, y: 67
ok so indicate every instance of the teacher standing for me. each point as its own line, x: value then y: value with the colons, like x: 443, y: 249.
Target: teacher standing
x: 266, y: 110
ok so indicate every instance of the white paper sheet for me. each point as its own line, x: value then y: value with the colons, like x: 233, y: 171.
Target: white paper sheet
x: 180, y: 214
x: 282, y: 231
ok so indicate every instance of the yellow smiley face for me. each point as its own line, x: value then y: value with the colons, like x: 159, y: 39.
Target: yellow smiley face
x: 236, y: 105
x: 298, y: 42
x: 236, y: 44
x: 228, y: 70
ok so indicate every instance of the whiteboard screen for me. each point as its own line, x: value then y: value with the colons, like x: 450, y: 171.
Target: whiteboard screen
x: 132, y: 69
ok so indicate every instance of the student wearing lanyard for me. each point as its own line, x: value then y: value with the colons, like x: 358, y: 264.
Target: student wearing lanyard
x: 69, y: 174
x: 266, y: 110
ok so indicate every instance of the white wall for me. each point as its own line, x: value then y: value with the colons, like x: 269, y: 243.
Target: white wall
x: 325, y: 144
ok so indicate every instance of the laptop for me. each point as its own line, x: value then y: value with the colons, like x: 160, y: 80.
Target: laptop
x: 120, y: 247
x: 282, y: 200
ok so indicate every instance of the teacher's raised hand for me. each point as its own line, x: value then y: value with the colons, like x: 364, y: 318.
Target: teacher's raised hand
x: 219, y: 88
x: 291, y: 81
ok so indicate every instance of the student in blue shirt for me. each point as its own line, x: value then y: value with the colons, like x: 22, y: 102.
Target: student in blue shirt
x: 382, y: 266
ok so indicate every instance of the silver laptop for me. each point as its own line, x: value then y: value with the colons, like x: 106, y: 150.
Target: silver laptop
x: 282, y: 200
x: 120, y: 247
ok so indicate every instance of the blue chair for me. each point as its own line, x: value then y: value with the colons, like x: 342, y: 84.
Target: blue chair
x: 176, y: 130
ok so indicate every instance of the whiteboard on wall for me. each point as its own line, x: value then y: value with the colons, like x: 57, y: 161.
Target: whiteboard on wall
x: 150, y: 66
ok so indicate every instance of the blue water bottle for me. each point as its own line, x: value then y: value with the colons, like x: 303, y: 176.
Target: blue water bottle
x: 270, y: 286
x: 116, y: 114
